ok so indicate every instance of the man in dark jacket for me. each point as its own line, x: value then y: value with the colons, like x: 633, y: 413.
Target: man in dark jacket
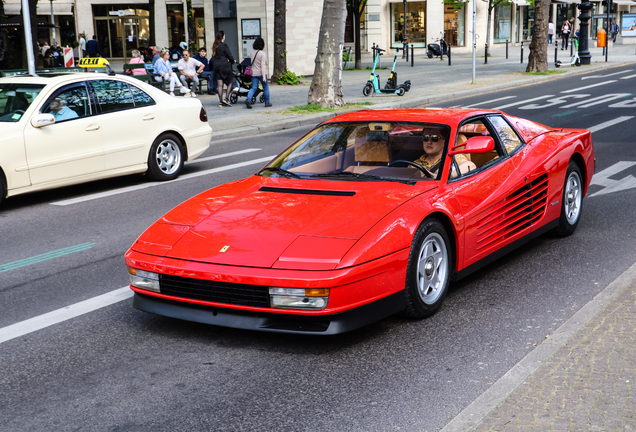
x: 207, y: 72
x: 93, y: 47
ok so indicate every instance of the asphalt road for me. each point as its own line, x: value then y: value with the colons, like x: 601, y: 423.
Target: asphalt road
x: 119, y: 369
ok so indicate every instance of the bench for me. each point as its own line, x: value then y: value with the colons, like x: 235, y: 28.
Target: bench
x: 148, y: 77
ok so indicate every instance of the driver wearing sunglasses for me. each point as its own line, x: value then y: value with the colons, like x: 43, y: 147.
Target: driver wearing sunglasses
x: 433, y: 141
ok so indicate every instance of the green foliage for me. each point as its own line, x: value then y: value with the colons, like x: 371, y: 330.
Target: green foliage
x: 346, y: 56
x: 315, y: 108
x: 288, y: 78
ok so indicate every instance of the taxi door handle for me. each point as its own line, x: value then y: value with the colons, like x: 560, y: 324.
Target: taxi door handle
x: 92, y: 128
x: 149, y: 117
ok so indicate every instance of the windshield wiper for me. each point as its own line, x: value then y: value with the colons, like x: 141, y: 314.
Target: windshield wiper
x: 280, y: 171
x: 361, y: 176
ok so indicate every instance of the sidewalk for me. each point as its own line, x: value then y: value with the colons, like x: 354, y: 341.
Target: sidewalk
x: 432, y: 80
x: 581, y: 378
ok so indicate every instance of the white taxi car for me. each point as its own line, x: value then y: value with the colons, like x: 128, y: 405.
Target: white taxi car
x: 80, y: 127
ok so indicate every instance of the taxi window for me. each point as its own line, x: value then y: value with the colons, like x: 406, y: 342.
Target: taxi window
x: 112, y: 95
x: 507, y: 135
x: 69, y: 103
x: 140, y: 97
x: 15, y: 99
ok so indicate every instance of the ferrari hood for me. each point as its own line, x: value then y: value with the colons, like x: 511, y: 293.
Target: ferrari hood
x: 283, y: 227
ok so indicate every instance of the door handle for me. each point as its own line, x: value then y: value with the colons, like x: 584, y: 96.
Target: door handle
x: 92, y: 128
x: 148, y: 117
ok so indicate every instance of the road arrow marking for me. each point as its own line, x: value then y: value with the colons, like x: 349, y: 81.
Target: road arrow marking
x: 603, y: 179
x: 522, y: 102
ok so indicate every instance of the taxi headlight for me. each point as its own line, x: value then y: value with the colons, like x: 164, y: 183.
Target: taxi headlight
x: 144, y: 279
x: 299, y: 298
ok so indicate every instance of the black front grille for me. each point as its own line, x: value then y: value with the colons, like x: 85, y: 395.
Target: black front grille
x: 219, y: 292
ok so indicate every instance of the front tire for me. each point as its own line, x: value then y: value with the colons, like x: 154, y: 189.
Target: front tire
x: 429, y: 54
x: 571, y: 201
x: 367, y: 89
x: 165, y: 160
x: 428, y: 271
x: 233, y: 98
x: 401, y: 91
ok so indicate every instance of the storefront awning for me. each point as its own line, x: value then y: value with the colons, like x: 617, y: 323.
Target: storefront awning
x: 44, y: 8
x: 567, y: 1
x: 625, y: 2
x: 521, y: 3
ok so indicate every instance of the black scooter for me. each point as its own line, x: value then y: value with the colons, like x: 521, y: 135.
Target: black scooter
x: 437, y: 50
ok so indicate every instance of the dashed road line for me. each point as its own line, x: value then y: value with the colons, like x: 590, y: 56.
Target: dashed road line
x: 609, y: 123
x: 480, y: 104
x: 590, y: 86
x: 224, y: 155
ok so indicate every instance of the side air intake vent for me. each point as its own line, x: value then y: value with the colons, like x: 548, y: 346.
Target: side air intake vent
x: 518, y: 211
x: 306, y: 191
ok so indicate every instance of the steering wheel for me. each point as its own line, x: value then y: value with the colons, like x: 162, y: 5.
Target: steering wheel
x: 418, y: 166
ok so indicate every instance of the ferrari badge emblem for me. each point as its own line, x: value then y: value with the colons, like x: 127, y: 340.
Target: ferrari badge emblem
x: 224, y: 248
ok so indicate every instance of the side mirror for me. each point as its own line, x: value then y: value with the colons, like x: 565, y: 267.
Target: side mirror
x: 42, y: 120
x: 478, y: 144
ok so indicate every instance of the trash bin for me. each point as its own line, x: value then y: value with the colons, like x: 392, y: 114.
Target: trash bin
x: 601, y: 39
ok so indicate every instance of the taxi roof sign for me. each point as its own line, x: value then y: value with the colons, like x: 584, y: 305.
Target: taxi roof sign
x: 93, y: 62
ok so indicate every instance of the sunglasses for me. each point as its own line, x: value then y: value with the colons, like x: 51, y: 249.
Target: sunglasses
x: 433, y: 138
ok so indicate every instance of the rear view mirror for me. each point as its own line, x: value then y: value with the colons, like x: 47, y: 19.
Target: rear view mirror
x: 478, y: 144
x: 42, y: 120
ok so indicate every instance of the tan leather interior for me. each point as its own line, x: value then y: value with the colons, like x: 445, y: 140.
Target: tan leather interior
x: 372, y: 151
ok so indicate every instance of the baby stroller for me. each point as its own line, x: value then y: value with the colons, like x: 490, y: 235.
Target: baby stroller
x: 245, y: 83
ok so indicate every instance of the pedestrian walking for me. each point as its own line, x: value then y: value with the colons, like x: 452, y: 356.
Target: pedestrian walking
x: 565, y: 35
x: 92, y: 47
x: 550, y: 32
x: 190, y: 68
x: 222, y: 62
x: 163, y: 70
x: 259, y: 72
x: 614, y: 31
x: 82, y: 45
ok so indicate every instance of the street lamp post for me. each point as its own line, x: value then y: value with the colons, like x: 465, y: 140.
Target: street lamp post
x: 474, y: 37
x: 28, y: 40
x: 584, y: 52
x: 53, y: 23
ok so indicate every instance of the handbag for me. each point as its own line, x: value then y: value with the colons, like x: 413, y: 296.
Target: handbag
x: 248, y: 69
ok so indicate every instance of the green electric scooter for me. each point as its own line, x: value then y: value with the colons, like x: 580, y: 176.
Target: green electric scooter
x: 391, y: 87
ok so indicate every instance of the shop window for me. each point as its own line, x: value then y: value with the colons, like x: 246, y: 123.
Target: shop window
x: 415, y: 23
x: 502, y: 23
x: 454, y: 25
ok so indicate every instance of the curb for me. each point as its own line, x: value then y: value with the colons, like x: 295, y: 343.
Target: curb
x: 315, y: 119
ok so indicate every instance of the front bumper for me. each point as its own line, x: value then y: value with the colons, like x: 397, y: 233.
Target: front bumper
x: 274, y: 322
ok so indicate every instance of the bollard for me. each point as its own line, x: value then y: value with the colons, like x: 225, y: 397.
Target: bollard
x: 521, y: 52
x: 412, y: 55
x: 571, y: 48
x: 603, y: 52
x: 406, y: 50
x: 506, y: 49
x: 449, y: 55
x: 556, y: 51
x: 485, y: 53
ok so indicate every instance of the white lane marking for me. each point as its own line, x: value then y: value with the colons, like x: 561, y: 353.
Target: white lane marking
x: 224, y: 155
x: 481, y: 104
x: 603, y: 179
x: 630, y: 103
x: 66, y: 313
x: 590, y: 86
x: 607, y: 124
x: 629, y: 76
x: 152, y: 184
x: 609, y: 75
x: 552, y: 102
x: 522, y: 102
x: 597, y: 100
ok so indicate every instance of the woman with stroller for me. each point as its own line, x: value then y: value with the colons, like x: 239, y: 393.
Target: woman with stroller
x: 222, y: 61
x: 259, y: 72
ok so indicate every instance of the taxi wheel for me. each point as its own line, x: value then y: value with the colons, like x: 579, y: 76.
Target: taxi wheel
x: 3, y: 189
x: 165, y: 160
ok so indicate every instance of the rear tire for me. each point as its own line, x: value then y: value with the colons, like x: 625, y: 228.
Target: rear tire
x: 261, y: 99
x: 428, y: 271
x: 367, y: 89
x: 233, y: 98
x: 165, y: 160
x: 571, y: 201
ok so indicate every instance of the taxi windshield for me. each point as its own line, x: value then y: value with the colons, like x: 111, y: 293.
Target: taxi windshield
x: 365, y: 151
x: 15, y: 99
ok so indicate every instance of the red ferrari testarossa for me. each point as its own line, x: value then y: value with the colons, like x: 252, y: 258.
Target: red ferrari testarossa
x: 369, y: 214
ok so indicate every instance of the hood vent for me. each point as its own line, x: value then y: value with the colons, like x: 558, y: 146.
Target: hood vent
x: 306, y: 191
x: 518, y: 211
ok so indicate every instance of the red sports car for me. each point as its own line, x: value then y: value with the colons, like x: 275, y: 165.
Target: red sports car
x: 369, y: 214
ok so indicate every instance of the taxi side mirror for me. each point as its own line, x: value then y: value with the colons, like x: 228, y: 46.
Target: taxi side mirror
x: 478, y: 144
x: 42, y: 120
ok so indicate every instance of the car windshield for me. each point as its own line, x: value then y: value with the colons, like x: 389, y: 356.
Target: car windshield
x: 15, y: 99
x: 365, y: 151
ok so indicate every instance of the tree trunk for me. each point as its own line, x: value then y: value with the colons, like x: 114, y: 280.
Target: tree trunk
x: 538, y: 58
x: 280, y: 37
x: 192, y: 40
x: 326, y: 86
x: 358, y: 8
